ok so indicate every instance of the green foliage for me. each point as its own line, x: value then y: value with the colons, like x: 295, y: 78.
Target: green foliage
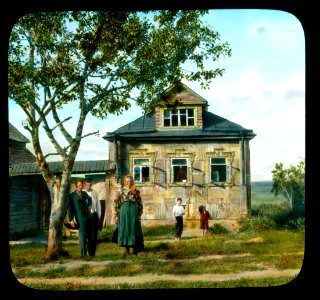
x: 218, y: 229
x: 271, y: 216
x: 100, y: 57
x: 295, y: 224
x: 290, y: 183
x: 257, y: 223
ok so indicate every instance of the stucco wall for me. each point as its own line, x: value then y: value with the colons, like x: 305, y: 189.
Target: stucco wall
x: 224, y: 201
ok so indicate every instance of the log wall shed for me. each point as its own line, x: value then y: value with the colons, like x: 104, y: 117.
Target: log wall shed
x: 29, y: 197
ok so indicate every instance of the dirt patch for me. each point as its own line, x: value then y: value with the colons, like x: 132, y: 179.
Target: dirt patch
x: 144, y: 278
x: 270, y: 273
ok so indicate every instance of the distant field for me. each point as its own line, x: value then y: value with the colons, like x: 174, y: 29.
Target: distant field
x: 261, y: 194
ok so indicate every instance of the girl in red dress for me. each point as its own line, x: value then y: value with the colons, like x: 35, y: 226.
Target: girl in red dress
x: 204, y: 219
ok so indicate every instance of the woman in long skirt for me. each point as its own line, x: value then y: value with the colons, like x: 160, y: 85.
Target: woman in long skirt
x: 128, y: 209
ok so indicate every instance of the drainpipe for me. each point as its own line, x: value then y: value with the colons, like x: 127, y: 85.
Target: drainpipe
x: 242, y: 171
x: 243, y: 177
x: 115, y: 154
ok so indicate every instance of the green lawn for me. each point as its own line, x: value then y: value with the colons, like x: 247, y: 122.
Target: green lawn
x: 217, y: 255
x: 268, y: 250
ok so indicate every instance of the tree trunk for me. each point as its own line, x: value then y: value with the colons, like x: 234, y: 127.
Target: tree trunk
x: 59, y: 191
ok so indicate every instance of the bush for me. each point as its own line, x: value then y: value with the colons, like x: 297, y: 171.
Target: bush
x: 218, y: 229
x: 295, y: 224
x: 257, y: 223
x: 281, y: 215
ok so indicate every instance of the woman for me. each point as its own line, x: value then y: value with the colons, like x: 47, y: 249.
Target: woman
x: 128, y: 209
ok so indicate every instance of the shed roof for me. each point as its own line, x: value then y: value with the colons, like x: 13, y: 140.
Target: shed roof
x: 15, y: 134
x: 20, y: 155
x: 79, y: 167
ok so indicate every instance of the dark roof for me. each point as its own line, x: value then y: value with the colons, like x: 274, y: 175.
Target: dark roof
x: 187, y: 96
x: 15, y: 134
x: 79, y: 167
x: 18, y: 152
x: 213, y: 126
x: 20, y: 155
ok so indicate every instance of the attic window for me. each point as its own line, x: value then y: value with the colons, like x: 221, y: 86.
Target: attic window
x: 178, y: 117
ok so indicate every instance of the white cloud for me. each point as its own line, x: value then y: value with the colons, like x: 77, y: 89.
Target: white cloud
x: 263, y: 89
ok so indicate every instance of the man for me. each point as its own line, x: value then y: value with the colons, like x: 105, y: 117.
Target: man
x: 96, y: 215
x: 79, y: 212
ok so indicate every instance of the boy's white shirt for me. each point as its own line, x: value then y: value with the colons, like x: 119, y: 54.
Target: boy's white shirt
x: 178, y: 210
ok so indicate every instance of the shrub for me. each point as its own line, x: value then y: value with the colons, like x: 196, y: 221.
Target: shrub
x: 257, y: 223
x: 281, y: 215
x: 295, y: 224
x: 218, y: 229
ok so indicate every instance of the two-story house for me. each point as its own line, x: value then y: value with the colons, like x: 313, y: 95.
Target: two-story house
x: 185, y: 151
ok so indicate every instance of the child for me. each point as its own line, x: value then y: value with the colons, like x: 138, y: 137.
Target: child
x: 204, y: 219
x: 178, y: 212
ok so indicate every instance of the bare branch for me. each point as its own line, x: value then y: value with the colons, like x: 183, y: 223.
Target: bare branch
x: 91, y: 133
x: 49, y: 154
x: 60, y: 122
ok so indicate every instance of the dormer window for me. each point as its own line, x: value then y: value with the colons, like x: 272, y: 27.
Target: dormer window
x: 178, y: 117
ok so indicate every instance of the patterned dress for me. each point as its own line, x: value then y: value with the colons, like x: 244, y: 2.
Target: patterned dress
x: 128, y: 208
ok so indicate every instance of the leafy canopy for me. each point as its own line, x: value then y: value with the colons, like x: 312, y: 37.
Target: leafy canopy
x: 100, y: 58
x: 290, y: 183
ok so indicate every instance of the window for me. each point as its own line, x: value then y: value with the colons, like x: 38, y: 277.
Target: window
x: 179, y: 169
x: 141, y: 170
x: 178, y: 117
x: 218, y: 169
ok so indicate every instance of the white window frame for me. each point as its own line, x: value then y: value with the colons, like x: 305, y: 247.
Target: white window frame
x: 179, y: 115
x: 139, y: 167
x: 219, y: 164
x: 172, y: 169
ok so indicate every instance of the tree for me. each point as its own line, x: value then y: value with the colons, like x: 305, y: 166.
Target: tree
x: 100, y: 60
x: 290, y: 183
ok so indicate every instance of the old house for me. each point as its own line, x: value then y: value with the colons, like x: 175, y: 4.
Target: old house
x: 24, y: 192
x: 185, y: 151
x: 29, y: 197
x: 30, y: 202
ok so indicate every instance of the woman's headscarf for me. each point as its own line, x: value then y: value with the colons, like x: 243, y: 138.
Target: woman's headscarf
x: 133, y: 187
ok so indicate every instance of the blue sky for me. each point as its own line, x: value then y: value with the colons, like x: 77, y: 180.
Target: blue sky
x: 263, y: 89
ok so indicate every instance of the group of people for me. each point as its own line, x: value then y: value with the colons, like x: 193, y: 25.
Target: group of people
x: 84, y: 213
x: 85, y: 210
x: 178, y: 212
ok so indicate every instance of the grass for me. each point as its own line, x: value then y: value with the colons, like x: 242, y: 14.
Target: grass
x: 273, y: 239
x: 234, y: 253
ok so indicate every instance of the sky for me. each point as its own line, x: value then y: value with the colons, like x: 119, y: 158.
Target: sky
x: 263, y: 89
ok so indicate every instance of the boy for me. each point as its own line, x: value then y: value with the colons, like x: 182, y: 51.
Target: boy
x: 178, y: 212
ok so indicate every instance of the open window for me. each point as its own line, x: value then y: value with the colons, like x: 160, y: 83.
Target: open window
x: 141, y: 170
x: 218, y: 169
x: 179, y: 170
